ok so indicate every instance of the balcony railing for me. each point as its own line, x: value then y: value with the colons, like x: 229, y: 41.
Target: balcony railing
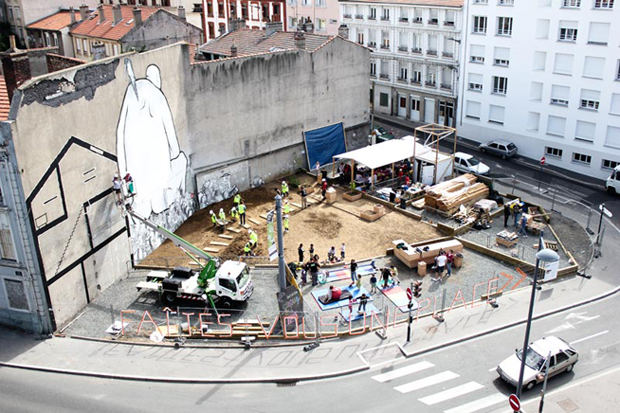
x: 373, y: 75
x: 372, y: 45
x: 416, y: 50
x: 385, y: 18
x: 431, y: 52
x: 448, y: 24
x: 418, y: 20
x: 403, y: 19
x: 346, y: 16
x: 402, y: 48
x: 401, y: 79
x: 385, y: 46
x: 359, y: 16
x: 433, y: 21
x: 448, y: 55
x: 384, y: 76
x: 446, y: 86
x: 430, y: 83
x: 372, y: 17
x: 416, y: 82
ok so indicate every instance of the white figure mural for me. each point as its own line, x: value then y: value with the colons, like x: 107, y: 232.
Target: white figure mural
x: 147, y: 144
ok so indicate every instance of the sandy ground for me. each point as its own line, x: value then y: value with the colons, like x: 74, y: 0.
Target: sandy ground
x: 322, y: 225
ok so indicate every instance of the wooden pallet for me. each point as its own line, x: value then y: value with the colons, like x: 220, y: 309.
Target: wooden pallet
x: 296, y: 205
x: 222, y: 244
x: 225, y: 236
x: 246, y: 226
x: 213, y: 250
x: 253, y: 221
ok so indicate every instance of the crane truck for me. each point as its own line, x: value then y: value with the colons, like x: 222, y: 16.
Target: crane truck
x: 215, y: 282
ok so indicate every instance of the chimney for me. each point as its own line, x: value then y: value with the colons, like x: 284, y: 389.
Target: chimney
x: 233, y: 49
x: 98, y: 51
x: 117, y: 13
x: 272, y: 27
x: 83, y: 11
x: 72, y: 11
x: 181, y: 12
x: 343, y: 31
x: 16, y: 68
x: 300, y: 39
x: 12, y: 44
x: 101, y: 14
x: 137, y: 16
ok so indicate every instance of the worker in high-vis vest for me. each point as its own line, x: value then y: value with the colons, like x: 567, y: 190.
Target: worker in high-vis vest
x: 287, y: 207
x: 285, y: 223
x: 213, y: 218
x: 237, y: 200
x: 241, y: 210
x: 234, y: 214
x: 284, y: 189
x: 222, y: 214
x: 253, y: 237
x: 247, y: 249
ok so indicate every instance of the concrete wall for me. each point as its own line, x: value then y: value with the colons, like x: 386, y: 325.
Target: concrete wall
x: 161, y: 29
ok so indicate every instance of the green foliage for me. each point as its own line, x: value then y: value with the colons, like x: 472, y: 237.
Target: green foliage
x: 293, y: 181
x: 352, y: 187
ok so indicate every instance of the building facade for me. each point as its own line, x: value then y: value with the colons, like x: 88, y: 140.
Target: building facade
x: 545, y: 74
x: 220, y: 15
x: 324, y: 14
x: 53, y: 31
x: 415, y: 55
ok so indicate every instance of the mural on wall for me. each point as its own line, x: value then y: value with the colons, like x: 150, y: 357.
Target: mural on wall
x: 148, y: 149
x: 216, y: 188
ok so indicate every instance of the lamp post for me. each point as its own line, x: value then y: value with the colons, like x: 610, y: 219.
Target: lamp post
x: 543, y: 256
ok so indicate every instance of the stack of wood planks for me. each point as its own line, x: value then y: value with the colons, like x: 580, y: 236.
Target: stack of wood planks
x: 448, y: 196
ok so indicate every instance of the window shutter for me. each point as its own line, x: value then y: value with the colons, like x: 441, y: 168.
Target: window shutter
x: 565, y: 24
x: 473, y: 109
x: 563, y: 63
x: 585, y: 130
x: 502, y: 53
x: 613, y: 137
x: 599, y: 33
x: 496, y: 113
x: 615, y: 104
x: 593, y: 67
x: 475, y: 78
x: 8, y: 252
x: 555, y: 125
x: 477, y: 50
x: 560, y: 92
x: 590, y: 94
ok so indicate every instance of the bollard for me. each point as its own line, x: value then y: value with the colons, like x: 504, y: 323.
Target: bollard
x: 588, y: 229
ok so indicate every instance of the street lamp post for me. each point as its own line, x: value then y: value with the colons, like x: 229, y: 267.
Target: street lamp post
x: 543, y: 256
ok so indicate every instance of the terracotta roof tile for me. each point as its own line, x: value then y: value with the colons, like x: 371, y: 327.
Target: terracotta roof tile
x: 56, y: 21
x: 5, y: 105
x: 107, y: 30
x: 441, y: 3
x: 251, y: 42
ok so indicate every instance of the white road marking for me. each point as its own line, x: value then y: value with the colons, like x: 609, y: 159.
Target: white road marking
x: 479, y: 404
x: 394, y: 374
x: 493, y: 368
x: 451, y: 393
x: 589, y: 337
x: 426, y: 382
x: 567, y: 325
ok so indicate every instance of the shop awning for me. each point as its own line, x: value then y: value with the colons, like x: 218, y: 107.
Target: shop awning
x: 385, y: 153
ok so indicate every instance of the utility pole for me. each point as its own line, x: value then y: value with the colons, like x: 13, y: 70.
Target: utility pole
x: 281, y: 264
x: 600, y: 223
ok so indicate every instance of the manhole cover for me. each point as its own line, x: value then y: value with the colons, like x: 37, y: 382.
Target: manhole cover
x: 568, y: 405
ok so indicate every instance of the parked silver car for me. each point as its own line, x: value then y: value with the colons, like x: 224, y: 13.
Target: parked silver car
x: 498, y: 147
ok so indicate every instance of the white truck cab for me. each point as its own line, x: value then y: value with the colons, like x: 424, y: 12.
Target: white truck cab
x: 232, y: 281
x: 613, y: 182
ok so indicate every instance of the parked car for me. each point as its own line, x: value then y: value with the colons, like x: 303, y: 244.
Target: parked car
x: 613, y: 182
x: 562, y: 359
x: 466, y: 163
x: 382, y: 135
x: 498, y: 147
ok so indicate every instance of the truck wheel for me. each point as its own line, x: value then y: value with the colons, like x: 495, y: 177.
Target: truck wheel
x: 169, y: 297
x: 530, y: 385
x: 611, y: 190
x: 224, y: 302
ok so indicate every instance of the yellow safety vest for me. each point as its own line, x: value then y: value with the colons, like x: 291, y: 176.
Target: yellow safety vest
x: 241, y: 209
x: 287, y: 208
x: 237, y: 199
x: 234, y: 213
x: 284, y: 188
x: 247, y: 248
x: 254, y: 237
x: 222, y: 216
x: 213, y: 218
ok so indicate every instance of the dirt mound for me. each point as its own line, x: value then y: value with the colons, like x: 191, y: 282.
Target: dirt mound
x: 324, y: 223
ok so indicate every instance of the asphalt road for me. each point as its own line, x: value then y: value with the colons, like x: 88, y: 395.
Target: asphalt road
x: 446, y: 380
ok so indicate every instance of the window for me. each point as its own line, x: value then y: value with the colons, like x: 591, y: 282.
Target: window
x: 504, y: 26
x: 417, y: 16
x: 480, y: 24
x: 432, y: 45
x: 16, y: 294
x: 506, y: 2
x: 573, y: 4
x: 476, y: 52
x: 604, y: 4
x: 618, y: 70
x: 496, y: 114
x: 85, y: 47
x: 584, y: 131
x: 536, y: 89
x: 385, y: 40
x: 383, y: 99
x: 321, y: 25
x: 590, y: 99
x: 582, y: 158
x: 475, y: 82
x: 481, y: 1
x: 319, y: 3
x: 553, y: 152
x: 556, y: 126
x: 540, y: 61
x: 415, y: 104
x: 434, y: 17
x: 403, y: 73
x: 560, y: 95
x: 78, y: 42
x: 609, y: 164
x: 533, y: 121
x: 501, y: 56
x: 599, y: 33
x: 385, y: 69
x: 472, y: 109
x: 563, y: 64
x: 116, y: 49
x: 450, y: 18
x: 373, y: 14
x: 542, y: 29
x: 403, y: 15
x: 613, y: 137
x: 568, y: 31
x: 373, y: 69
x: 7, y: 252
x: 360, y: 37
x: 593, y: 67
x: 385, y: 14
x: 448, y: 47
x: 615, y: 104
x: 500, y: 85
x: 417, y: 76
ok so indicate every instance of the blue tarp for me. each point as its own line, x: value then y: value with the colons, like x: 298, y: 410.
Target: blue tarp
x: 324, y: 143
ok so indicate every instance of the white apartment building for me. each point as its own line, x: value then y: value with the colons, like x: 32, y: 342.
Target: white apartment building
x: 544, y: 74
x: 415, y: 57
x: 324, y: 15
x: 219, y: 14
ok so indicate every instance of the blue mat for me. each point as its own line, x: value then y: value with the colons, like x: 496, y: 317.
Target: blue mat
x: 355, y: 292
x: 343, y: 273
x: 370, y: 308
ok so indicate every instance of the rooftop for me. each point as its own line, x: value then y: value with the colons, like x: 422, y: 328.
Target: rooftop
x: 5, y: 104
x: 57, y: 21
x: 252, y: 42
x: 108, y: 30
x: 439, y: 3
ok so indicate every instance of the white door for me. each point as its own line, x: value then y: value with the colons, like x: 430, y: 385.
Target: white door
x: 402, y: 106
x: 427, y: 174
x: 415, y: 109
x: 429, y: 110
x: 446, y: 109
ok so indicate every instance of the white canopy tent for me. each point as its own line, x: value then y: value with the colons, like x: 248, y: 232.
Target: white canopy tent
x: 385, y: 153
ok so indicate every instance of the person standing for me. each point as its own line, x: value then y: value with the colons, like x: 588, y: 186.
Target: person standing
x: 358, y: 283
x: 213, y: 218
x: 363, y: 302
x: 253, y: 237
x: 237, y: 199
x: 394, y: 273
x: 287, y: 208
x: 324, y: 188
x: 300, y: 252
x: 523, y: 227
x: 303, y: 193
x: 517, y: 212
x: 234, y: 215
x: 284, y: 189
x: 314, y: 271
x: 450, y: 260
x: 373, y: 283
x: 386, y: 277
x: 441, y: 261
x: 222, y: 215
x: 353, y: 269
x: 311, y: 251
x: 241, y: 210
x: 117, y: 184
x: 342, y: 254
x: 285, y: 223
x: 304, y: 273
x: 506, y: 214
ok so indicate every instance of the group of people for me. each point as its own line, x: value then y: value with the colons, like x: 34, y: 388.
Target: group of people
x: 443, y: 262
x: 514, y: 210
x: 335, y: 293
x: 237, y: 212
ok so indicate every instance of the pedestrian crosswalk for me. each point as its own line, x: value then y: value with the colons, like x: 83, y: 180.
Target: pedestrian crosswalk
x: 438, y: 388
